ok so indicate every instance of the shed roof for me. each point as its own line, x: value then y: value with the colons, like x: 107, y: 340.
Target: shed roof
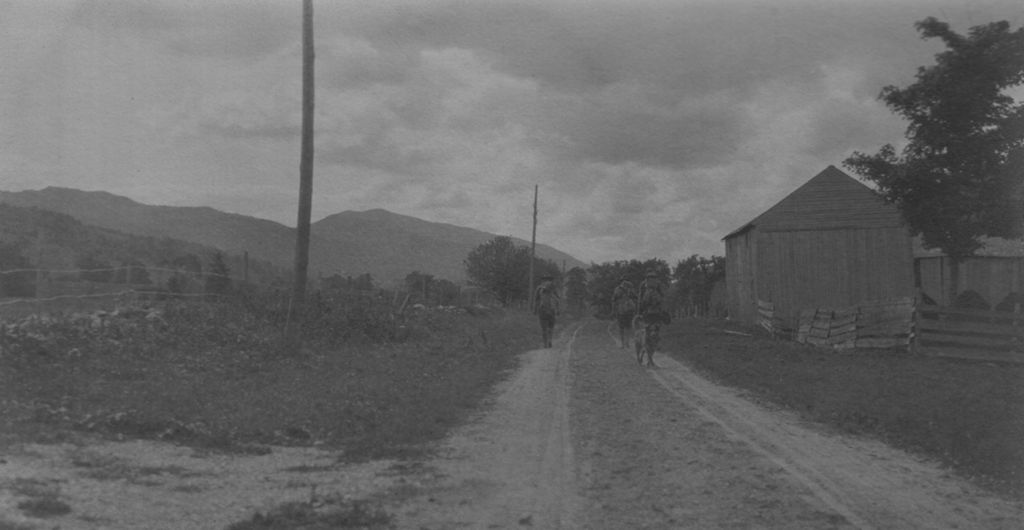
x: 830, y: 200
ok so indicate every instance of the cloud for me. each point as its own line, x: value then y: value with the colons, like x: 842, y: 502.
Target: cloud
x: 622, y: 127
x: 653, y: 128
x: 221, y: 28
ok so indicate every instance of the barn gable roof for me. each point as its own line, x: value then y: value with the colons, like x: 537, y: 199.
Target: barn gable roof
x: 830, y: 200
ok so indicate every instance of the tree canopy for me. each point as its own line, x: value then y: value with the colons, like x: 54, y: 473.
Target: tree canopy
x: 605, y: 276
x: 576, y: 289
x: 218, y: 279
x: 694, y: 279
x: 502, y: 267
x: 959, y: 176
x: 426, y: 289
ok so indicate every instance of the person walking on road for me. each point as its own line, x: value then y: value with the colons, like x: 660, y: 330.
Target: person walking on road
x: 624, y: 308
x: 546, y: 304
x: 650, y: 299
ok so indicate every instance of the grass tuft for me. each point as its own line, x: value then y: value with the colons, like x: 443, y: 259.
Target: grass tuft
x: 44, y: 507
x: 303, y: 515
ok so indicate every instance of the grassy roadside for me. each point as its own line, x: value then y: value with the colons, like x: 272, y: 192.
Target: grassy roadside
x: 967, y: 415
x: 218, y: 386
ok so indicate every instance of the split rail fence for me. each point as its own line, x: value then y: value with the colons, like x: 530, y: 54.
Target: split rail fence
x: 907, y: 325
x: 970, y: 333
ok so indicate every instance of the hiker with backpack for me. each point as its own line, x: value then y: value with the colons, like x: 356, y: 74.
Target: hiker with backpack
x: 546, y: 307
x: 624, y: 308
x: 651, y: 311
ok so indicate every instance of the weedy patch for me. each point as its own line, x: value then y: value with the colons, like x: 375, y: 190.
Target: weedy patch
x: 110, y: 468
x: 44, y: 507
x: 308, y: 469
x: 43, y: 498
x: 101, y: 467
x: 213, y: 376
x: 311, y: 515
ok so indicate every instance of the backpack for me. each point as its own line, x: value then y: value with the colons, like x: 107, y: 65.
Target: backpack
x: 624, y: 302
x: 651, y: 298
x: 547, y: 303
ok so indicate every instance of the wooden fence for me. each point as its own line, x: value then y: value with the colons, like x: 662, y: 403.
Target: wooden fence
x: 767, y: 320
x: 885, y: 324
x: 906, y: 324
x: 971, y: 333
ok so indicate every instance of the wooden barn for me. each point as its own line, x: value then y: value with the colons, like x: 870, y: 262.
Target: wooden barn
x: 832, y: 242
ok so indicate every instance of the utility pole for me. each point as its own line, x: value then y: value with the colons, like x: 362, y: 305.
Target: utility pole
x: 533, y: 244
x: 305, y: 181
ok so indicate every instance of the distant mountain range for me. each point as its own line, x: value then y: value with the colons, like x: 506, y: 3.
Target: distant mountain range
x: 33, y: 237
x: 379, y: 242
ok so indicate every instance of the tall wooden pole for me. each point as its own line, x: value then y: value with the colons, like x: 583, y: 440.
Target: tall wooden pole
x: 533, y: 244
x: 305, y: 178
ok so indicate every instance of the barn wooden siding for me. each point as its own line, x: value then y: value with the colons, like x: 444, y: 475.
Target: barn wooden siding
x: 832, y: 268
x: 740, y: 288
x: 831, y: 243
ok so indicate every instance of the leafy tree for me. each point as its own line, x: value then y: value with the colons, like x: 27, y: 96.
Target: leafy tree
x: 497, y: 267
x: 446, y: 291
x: 363, y: 282
x: 177, y: 283
x: 337, y: 282
x: 133, y: 272
x: 189, y: 263
x: 420, y: 286
x: 576, y: 289
x: 218, y: 278
x: 959, y: 176
x: 694, y: 278
x: 605, y: 276
x: 503, y: 268
x: 334, y: 282
x: 94, y: 268
x: 189, y: 270
x: 17, y: 284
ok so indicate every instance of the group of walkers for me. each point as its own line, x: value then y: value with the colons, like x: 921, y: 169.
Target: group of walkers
x: 640, y: 310
x: 641, y: 307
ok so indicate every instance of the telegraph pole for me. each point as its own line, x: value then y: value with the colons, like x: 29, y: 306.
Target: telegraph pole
x: 533, y: 244
x: 305, y: 181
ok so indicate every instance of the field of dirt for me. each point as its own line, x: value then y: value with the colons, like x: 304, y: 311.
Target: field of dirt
x: 579, y: 437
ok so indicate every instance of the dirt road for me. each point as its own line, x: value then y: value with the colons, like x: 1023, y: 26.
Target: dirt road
x: 582, y: 437
x: 579, y: 437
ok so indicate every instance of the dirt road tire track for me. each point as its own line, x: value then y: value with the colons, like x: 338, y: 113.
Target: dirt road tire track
x: 647, y: 459
x: 868, y: 483
x: 581, y: 437
x: 513, y: 466
x: 777, y: 472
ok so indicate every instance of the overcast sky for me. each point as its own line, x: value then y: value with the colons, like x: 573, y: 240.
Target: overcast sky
x: 652, y: 128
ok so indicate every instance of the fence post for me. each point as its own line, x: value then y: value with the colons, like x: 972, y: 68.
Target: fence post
x: 1016, y: 320
x: 915, y: 343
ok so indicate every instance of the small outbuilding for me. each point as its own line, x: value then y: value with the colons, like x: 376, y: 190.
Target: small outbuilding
x: 832, y: 242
